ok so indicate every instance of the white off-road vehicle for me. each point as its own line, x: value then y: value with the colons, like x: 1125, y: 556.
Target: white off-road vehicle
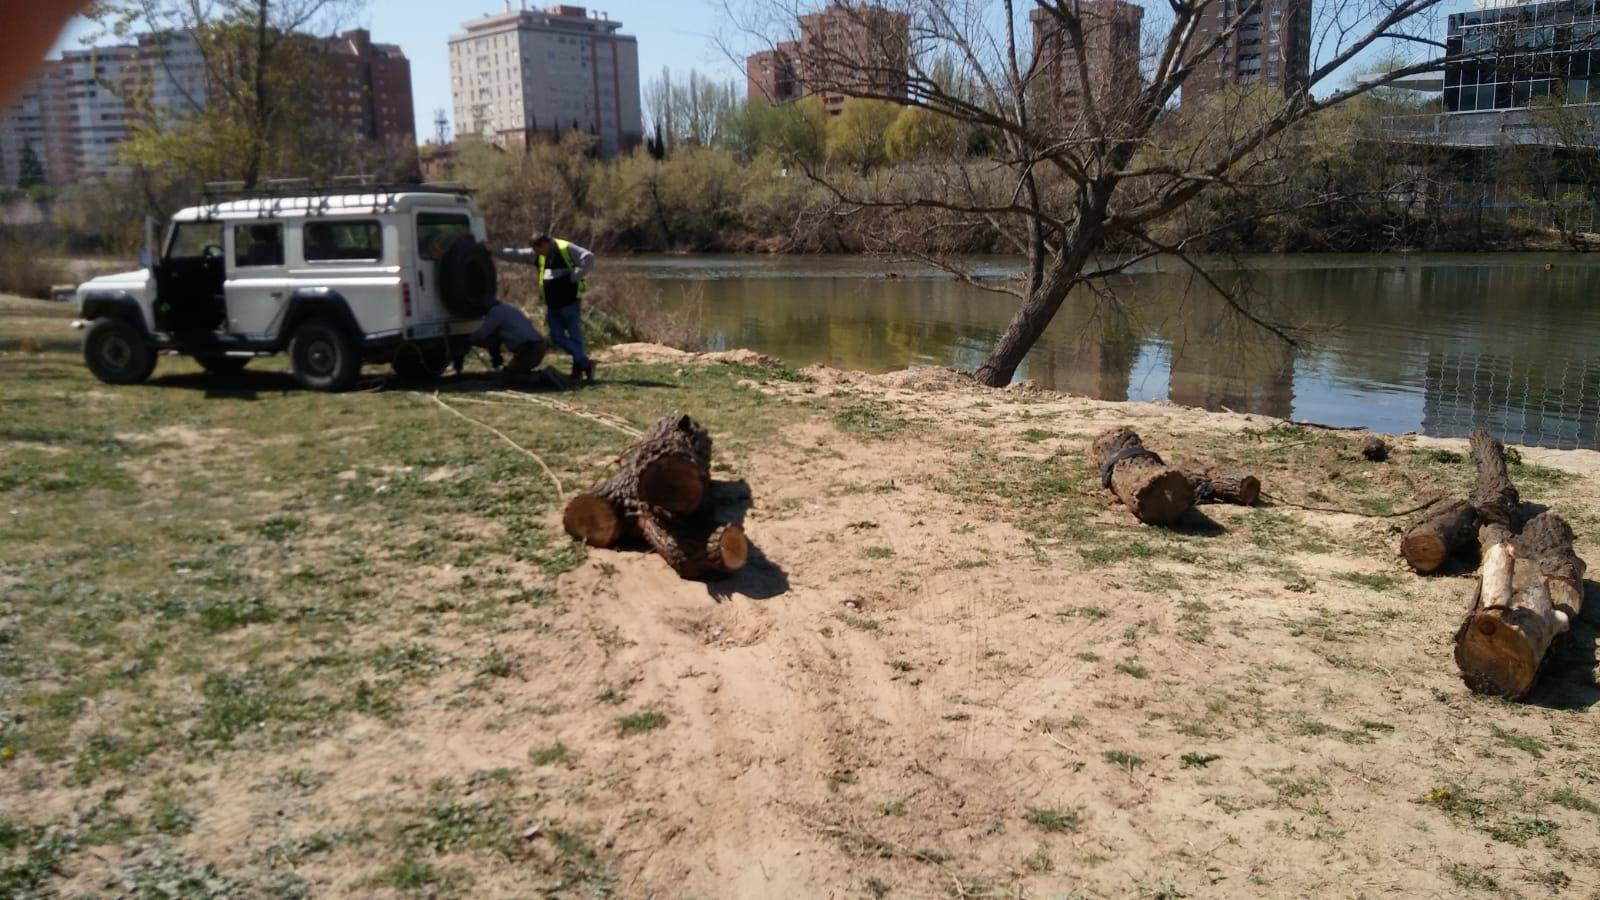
x: 338, y: 277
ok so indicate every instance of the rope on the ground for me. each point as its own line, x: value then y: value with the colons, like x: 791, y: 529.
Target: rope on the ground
x: 1353, y: 512
x: 616, y: 423
x: 561, y: 493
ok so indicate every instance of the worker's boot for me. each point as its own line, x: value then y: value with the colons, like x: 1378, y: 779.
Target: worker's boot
x: 577, y: 373
x: 588, y: 371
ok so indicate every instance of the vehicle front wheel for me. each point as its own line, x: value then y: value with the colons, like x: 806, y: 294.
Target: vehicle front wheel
x: 117, y: 352
x: 324, y: 357
x: 223, y: 365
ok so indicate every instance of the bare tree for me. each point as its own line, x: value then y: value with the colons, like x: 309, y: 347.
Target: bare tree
x: 259, y: 73
x: 690, y: 110
x: 1082, y: 157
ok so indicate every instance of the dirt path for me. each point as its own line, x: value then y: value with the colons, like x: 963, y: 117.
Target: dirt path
x: 957, y: 668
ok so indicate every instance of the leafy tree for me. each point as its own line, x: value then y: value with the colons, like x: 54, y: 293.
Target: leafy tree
x: 30, y: 171
x: 792, y: 132
x: 918, y: 134
x: 858, y: 136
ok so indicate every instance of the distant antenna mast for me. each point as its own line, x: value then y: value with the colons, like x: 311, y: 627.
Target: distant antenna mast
x: 441, y: 127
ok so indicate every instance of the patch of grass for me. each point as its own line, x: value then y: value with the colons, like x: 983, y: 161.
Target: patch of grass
x: 1527, y: 744
x: 878, y: 552
x: 410, y: 874
x: 552, y: 755
x: 280, y: 528
x: 860, y: 623
x: 1374, y: 581
x: 453, y: 824
x: 1470, y: 879
x: 171, y: 819
x: 1035, y: 435
x: 1088, y: 656
x: 496, y: 664
x: 641, y: 722
x: 1453, y: 801
x: 611, y: 697
x: 1198, y: 760
x: 1295, y: 788
x: 1061, y: 821
x: 1574, y: 801
x: 1519, y: 831
x: 1093, y: 613
x: 1129, y: 667
x: 869, y: 420
x: 1122, y: 758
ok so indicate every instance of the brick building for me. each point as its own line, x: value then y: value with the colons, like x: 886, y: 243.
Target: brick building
x: 369, y: 89
x: 847, y: 46
x: 1110, y: 53
x: 1272, y: 46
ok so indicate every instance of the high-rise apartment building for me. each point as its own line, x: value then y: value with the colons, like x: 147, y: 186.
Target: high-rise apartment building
x: 1272, y: 46
x: 846, y: 47
x: 1527, y: 51
x: 530, y: 72
x: 75, y: 112
x: 1110, y: 56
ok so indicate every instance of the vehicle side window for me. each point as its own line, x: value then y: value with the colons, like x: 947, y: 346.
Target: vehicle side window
x: 343, y: 240
x: 190, y: 240
x: 257, y: 245
x: 436, y: 231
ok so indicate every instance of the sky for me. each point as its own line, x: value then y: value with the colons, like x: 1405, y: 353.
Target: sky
x: 675, y: 34
x: 680, y: 35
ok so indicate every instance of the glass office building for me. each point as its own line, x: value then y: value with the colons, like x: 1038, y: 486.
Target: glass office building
x: 1529, y: 51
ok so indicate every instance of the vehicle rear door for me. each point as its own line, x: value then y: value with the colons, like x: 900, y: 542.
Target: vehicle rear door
x: 257, y: 286
x: 436, y: 230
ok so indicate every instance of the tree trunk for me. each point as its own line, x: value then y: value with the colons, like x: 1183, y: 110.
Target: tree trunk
x: 1440, y: 534
x: 1156, y: 494
x: 1219, y: 485
x: 660, y: 495
x: 1548, y: 539
x: 696, y: 549
x: 1494, y: 496
x: 1502, y: 642
x: 1041, y: 305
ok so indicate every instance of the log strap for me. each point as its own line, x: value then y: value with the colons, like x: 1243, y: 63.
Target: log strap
x: 1110, y: 465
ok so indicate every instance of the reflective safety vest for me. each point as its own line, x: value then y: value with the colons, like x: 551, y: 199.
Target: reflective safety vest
x: 566, y: 260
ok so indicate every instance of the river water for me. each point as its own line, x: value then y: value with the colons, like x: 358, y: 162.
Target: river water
x: 1438, y: 344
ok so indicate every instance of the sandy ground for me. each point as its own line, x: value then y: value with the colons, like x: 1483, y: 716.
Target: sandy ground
x: 932, y: 683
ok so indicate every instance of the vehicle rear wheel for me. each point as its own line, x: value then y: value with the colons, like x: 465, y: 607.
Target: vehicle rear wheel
x: 420, y: 362
x: 223, y: 365
x: 324, y: 357
x: 117, y: 353
x: 468, y: 283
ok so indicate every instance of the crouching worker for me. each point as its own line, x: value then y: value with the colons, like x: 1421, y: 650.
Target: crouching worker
x: 563, y: 273
x: 506, y: 326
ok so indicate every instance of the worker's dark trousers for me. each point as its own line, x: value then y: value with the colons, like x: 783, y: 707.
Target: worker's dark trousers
x: 524, y: 360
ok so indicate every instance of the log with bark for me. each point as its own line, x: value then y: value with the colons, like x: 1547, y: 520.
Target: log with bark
x: 1154, y: 492
x: 1494, y: 496
x: 1504, y: 637
x: 1374, y: 449
x: 1441, y: 532
x: 1218, y: 484
x: 660, y: 496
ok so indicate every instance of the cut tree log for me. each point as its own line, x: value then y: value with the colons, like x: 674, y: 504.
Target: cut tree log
x: 1548, y: 539
x: 1374, y: 448
x: 1154, y: 492
x: 660, y: 496
x: 1494, y: 495
x: 697, y: 549
x: 1502, y: 642
x: 1441, y: 533
x: 1218, y: 484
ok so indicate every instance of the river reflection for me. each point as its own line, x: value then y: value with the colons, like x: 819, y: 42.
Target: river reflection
x: 1439, y: 344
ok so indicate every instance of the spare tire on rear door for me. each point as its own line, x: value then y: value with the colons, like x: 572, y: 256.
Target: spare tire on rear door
x: 467, y: 279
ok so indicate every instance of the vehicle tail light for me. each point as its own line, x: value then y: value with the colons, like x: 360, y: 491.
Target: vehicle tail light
x: 405, y: 299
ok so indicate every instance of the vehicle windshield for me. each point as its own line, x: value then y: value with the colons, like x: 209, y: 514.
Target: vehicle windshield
x: 190, y: 239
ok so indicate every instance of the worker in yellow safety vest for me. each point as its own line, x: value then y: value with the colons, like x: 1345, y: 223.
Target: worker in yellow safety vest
x: 563, y: 279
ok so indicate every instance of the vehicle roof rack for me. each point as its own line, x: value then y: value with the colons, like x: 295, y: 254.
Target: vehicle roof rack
x: 223, y: 191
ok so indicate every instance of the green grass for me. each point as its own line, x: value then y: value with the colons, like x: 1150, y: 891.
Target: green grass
x: 1061, y: 821
x: 639, y: 723
x: 1198, y: 760
x: 1129, y: 667
x: 1529, y: 745
x: 1122, y: 758
x: 1574, y: 801
x: 555, y: 754
x: 1380, y: 582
